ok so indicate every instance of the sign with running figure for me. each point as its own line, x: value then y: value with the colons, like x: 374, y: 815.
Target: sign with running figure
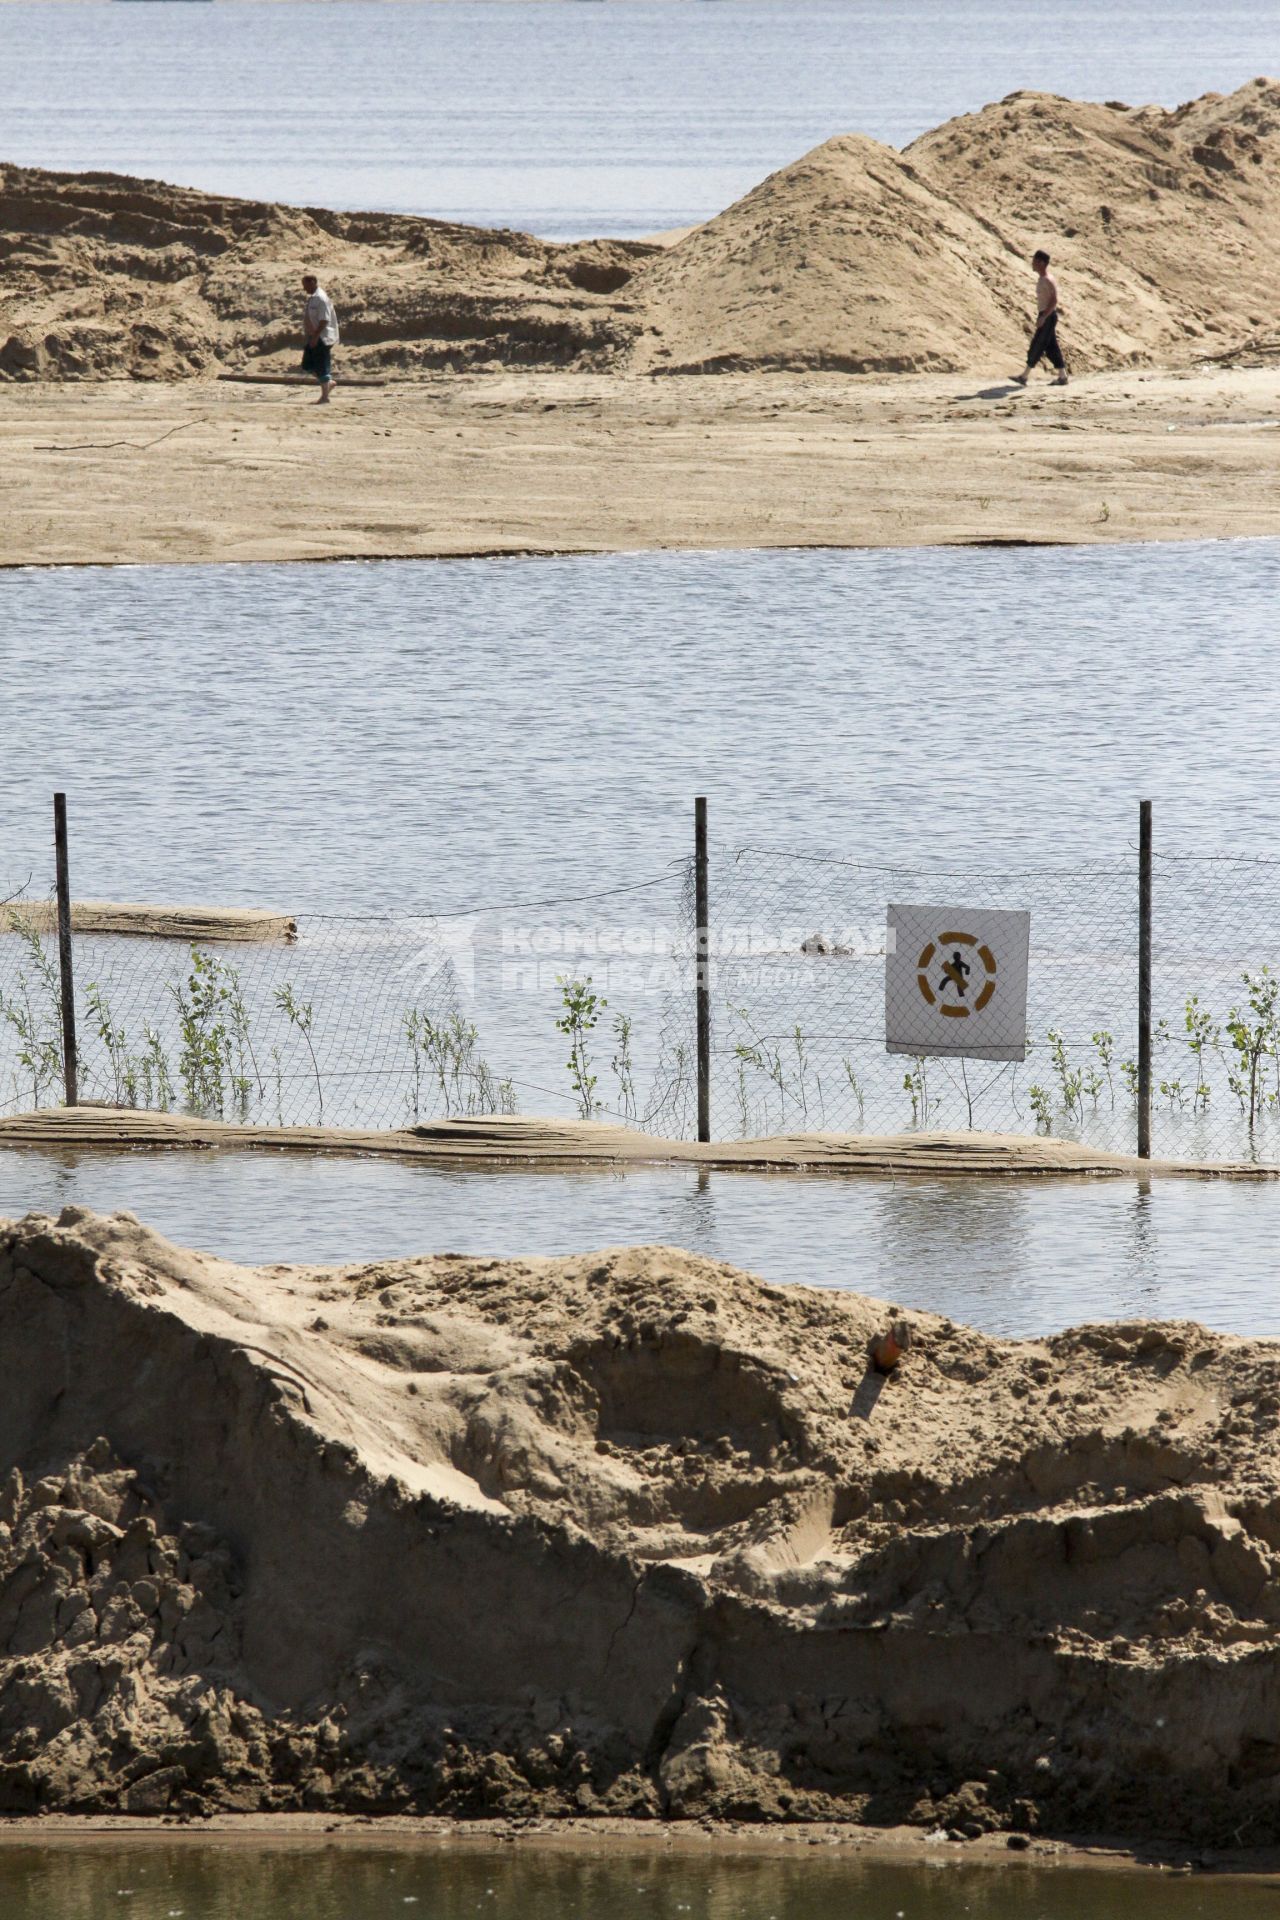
x: 955, y: 982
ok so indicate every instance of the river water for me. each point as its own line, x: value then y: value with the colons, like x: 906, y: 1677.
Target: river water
x: 240, y: 1882
x: 555, y: 116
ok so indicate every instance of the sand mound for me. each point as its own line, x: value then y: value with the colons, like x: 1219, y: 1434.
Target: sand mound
x: 1164, y: 225
x: 630, y: 1532
x: 105, y: 276
x: 850, y: 259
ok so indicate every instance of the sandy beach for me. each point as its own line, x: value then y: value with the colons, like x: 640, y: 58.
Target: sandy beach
x: 827, y: 362
x: 571, y: 463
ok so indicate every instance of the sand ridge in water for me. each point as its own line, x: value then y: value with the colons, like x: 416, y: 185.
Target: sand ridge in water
x: 625, y: 1533
x: 856, y: 257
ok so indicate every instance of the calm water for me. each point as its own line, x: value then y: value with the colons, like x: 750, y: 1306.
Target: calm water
x: 563, y: 118
x: 208, y: 1882
x: 1009, y: 1256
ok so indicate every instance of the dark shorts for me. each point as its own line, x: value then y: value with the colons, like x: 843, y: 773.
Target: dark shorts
x: 322, y: 360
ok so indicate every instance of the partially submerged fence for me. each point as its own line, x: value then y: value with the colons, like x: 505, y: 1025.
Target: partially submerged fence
x: 741, y: 992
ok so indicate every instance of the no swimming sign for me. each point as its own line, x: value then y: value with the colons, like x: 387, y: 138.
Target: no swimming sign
x: 955, y: 982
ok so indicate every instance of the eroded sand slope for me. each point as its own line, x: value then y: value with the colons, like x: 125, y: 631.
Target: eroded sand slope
x: 629, y: 1532
x: 855, y: 258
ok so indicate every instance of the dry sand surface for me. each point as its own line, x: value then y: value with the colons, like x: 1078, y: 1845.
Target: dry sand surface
x: 622, y: 1534
x: 567, y: 463
x: 610, y: 394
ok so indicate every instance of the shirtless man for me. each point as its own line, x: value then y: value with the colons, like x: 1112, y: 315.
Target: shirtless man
x: 1044, y: 341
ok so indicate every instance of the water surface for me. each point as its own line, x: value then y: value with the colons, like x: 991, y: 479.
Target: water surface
x: 236, y: 1882
x: 559, y: 117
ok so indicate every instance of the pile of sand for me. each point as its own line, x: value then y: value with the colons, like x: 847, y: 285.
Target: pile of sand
x: 627, y: 1533
x: 1164, y: 225
x: 102, y: 276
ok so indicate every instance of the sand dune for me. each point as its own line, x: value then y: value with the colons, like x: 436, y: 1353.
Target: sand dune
x: 857, y: 257
x: 626, y: 1533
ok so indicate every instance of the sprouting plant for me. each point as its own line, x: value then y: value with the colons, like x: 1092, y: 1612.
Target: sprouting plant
x: 123, y: 1074
x: 621, y: 1064
x: 1104, y: 1046
x: 764, y: 1058
x: 1129, y: 1074
x: 744, y: 1107
x: 242, y: 1039
x: 35, y: 1010
x: 1175, y: 1093
x: 449, y: 1047
x: 278, y: 1079
x: 855, y: 1088
x: 202, y: 1058
x: 582, y: 1010
x: 1104, y: 514
x: 157, y: 1080
x: 797, y: 1041
x: 916, y: 1082
x: 299, y: 1014
x: 1042, y: 1107
x: 411, y: 1023
x: 1253, y: 1036
x: 1092, y: 1083
x: 1070, y: 1079
x: 1203, y: 1037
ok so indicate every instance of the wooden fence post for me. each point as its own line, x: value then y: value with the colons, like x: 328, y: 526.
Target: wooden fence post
x: 703, y: 973
x: 1144, y: 980
x: 68, y: 993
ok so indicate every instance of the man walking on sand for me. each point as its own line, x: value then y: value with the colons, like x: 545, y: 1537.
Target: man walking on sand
x: 1044, y: 341
x: 320, y: 330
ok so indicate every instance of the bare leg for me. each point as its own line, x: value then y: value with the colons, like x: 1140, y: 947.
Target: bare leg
x: 325, y: 386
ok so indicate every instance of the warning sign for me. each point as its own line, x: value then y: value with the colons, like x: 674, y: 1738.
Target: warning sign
x: 956, y: 982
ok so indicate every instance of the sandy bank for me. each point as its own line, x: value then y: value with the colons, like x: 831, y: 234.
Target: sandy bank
x: 154, y: 921
x: 640, y: 1841
x: 501, y: 1140
x: 625, y: 1534
x: 609, y: 395
x: 566, y: 463
x: 855, y: 257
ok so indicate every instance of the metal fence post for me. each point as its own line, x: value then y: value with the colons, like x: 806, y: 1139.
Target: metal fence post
x: 68, y: 995
x: 1144, y: 980
x: 703, y: 973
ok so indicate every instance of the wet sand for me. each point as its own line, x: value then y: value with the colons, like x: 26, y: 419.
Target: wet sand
x: 119, y: 472
x: 899, y: 1846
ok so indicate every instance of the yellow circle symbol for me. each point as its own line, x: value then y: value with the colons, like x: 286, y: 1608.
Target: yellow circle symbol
x: 947, y: 977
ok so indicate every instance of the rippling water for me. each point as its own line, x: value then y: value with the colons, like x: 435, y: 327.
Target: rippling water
x: 554, y: 116
x: 241, y: 1882
x: 445, y: 734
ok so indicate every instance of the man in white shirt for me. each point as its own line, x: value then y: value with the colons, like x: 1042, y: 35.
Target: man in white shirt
x: 1044, y: 341
x: 320, y: 329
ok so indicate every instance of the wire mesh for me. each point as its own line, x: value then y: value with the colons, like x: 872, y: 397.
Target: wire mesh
x: 798, y: 981
x: 378, y: 1021
x: 360, y: 1023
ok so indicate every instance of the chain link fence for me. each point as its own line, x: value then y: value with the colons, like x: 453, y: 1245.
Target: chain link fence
x: 797, y: 945
x: 380, y: 1021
